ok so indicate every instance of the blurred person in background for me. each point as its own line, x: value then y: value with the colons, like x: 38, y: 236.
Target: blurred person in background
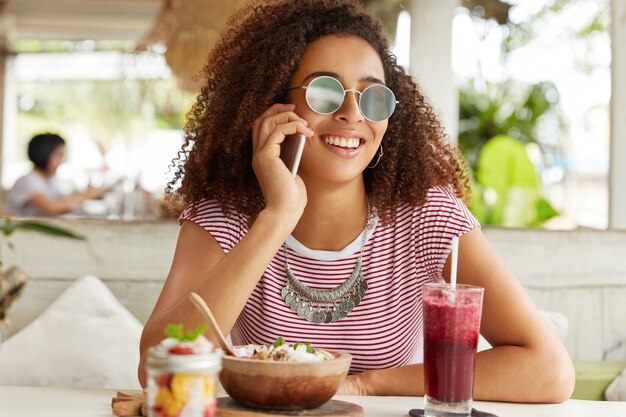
x: 37, y: 193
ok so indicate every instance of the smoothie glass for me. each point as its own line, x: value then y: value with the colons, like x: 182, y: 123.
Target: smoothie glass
x: 451, y: 329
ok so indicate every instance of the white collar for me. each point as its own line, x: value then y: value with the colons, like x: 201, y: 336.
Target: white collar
x: 326, y: 255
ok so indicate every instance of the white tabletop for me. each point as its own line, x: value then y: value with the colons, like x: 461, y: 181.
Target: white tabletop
x: 70, y: 402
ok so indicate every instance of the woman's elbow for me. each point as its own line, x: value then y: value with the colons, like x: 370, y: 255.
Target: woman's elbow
x: 141, y: 371
x: 560, y: 378
x: 144, y: 344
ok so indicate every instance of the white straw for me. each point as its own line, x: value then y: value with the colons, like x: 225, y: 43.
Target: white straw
x: 455, y: 257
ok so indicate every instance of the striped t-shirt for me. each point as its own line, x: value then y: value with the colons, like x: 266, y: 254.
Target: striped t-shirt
x: 385, y: 329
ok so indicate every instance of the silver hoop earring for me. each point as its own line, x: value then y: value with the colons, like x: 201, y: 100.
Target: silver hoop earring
x: 380, y: 155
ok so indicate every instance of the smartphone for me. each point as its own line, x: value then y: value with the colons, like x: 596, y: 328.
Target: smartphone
x: 291, y: 151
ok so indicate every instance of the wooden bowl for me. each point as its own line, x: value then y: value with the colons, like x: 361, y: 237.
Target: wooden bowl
x: 283, y: 385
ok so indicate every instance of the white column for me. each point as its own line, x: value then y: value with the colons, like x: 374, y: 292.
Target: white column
x: 8, y: 112
x: 3, y: 71
x: 617, y: 175
x: 431, y: 58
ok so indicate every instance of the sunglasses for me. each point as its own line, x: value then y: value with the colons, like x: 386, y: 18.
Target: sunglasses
x: 325, y: 95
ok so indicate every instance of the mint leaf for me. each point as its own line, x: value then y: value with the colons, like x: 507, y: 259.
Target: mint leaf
x: 193, y: 334
x: 308, y: 346
x: 279, y: 342
x: 174, y: 330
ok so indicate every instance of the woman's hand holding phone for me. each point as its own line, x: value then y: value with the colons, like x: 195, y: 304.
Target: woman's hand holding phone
x: 282, y: 191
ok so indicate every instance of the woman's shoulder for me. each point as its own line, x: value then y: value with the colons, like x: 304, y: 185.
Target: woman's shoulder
x: 27, y: 184
x: 211, y: 210
x: 31, y: 178
x: 437, y: 198
x: 225, y: 223
x: 441, y: 206
x: 19, y: 195
x: 441, y: 197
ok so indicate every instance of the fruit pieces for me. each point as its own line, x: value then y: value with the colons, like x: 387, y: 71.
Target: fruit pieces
x: 181, y: 350
x: 182, y: 374
x: 188, y: 393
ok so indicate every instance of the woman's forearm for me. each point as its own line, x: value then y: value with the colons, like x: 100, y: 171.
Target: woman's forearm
x: 504, y: 373
x: 522, y: 374
x: 225, y: 287
x: 406, y: 380
x: 58, y: 206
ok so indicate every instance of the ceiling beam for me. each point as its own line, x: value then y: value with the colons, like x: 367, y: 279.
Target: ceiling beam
x: 82, y: 19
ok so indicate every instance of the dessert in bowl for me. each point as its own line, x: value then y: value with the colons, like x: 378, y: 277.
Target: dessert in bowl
x: 283, y: 376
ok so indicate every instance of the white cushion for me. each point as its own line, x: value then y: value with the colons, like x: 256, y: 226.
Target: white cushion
x: 616, y: 391
x: 558, y: 321
x: 84, y: 339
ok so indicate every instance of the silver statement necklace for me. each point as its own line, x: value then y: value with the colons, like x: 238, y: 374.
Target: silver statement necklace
x: 327, y: 306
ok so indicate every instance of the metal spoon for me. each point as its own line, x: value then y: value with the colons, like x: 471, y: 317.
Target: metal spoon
x: 206, y: 311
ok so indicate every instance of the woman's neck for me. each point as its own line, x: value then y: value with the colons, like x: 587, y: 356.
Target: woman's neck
x: 332, y: 219
x: 42, y: 173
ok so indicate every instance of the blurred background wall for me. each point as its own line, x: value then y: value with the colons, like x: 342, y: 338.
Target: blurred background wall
x: 545, y: 78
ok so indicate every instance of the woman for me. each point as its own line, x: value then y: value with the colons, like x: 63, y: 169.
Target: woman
x: 374, y: 207
x: 37, y: 193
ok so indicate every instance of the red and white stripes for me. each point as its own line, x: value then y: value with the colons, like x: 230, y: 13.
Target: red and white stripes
x: 385, y: 329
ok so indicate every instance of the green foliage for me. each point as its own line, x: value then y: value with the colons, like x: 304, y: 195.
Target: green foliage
x: 526, y: 113
x: 521, y: 33
x: 507, y: 174
x: 40, y: 45
x: 510, y: 108
x: 545, y: 211
x: 106, y: 108
x: 506, y: 116
x: 388, y: 11
x: 8, y: 226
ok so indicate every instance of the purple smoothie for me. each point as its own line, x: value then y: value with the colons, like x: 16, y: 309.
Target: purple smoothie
x: 451, y: 329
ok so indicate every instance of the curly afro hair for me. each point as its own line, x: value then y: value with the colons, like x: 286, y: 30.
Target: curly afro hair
x: 250, y: 69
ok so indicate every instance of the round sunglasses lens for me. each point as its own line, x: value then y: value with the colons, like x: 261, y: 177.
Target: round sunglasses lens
x: 377, y: 103
x: 324, y: 95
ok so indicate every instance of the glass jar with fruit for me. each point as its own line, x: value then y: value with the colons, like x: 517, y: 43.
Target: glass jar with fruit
x: 182, y: 374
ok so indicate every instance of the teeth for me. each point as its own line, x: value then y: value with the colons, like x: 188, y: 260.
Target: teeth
x: 342, y: 142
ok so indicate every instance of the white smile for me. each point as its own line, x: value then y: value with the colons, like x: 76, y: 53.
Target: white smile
x: 342, y: 142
